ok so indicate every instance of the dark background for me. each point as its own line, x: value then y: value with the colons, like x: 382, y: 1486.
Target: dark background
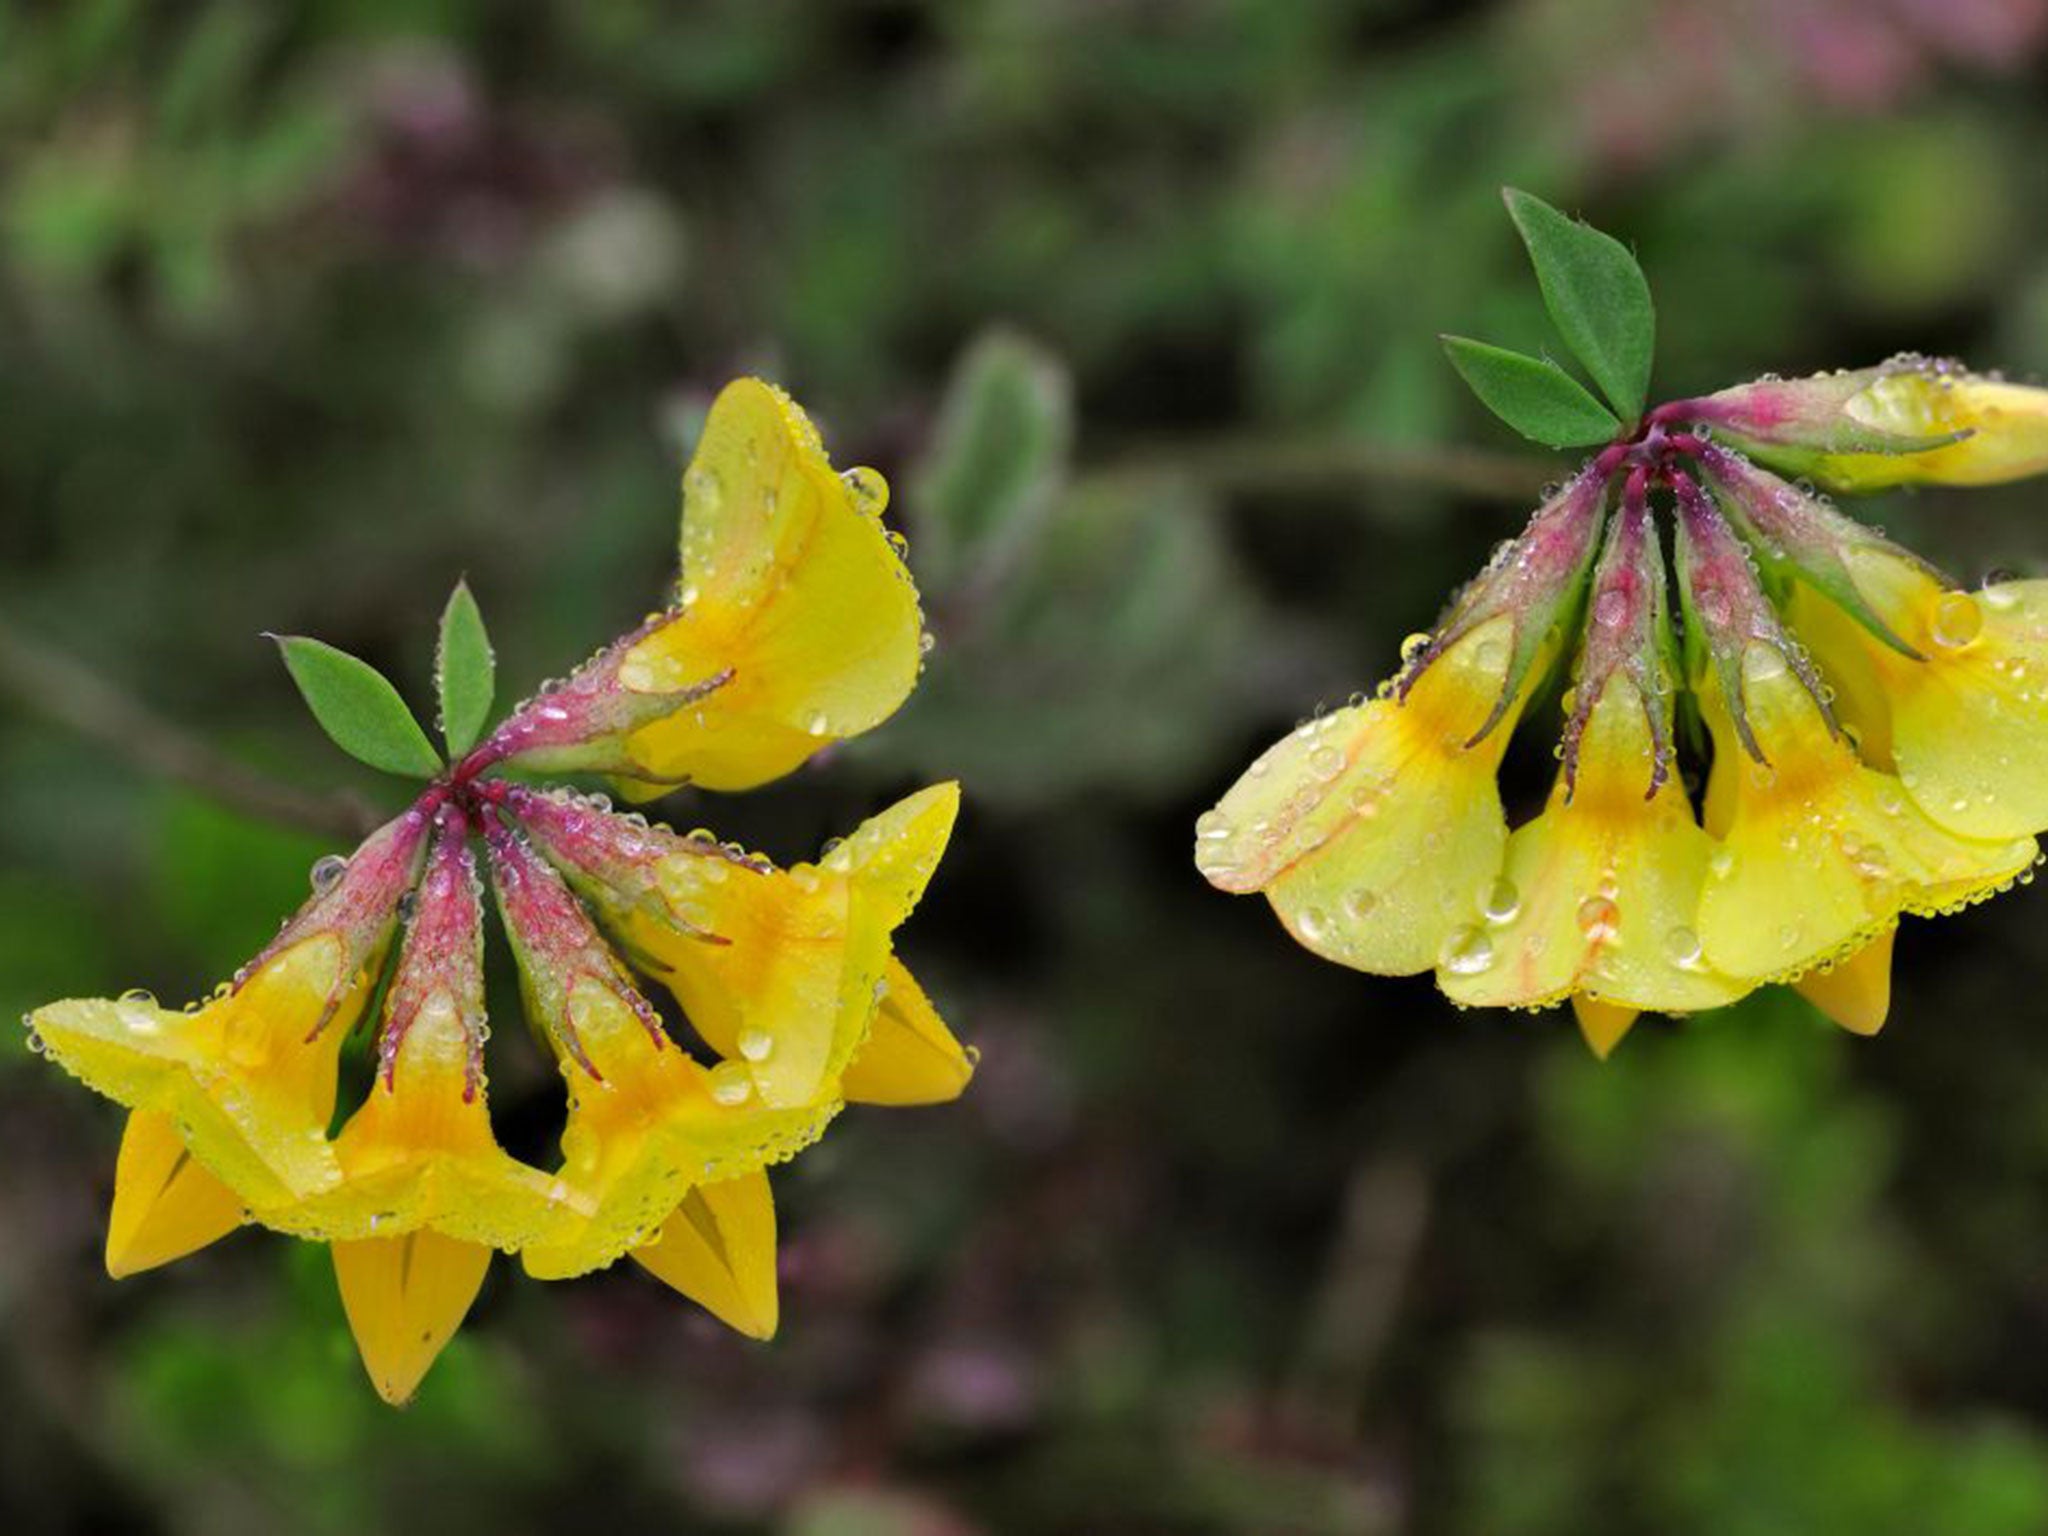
x: 307, y: 309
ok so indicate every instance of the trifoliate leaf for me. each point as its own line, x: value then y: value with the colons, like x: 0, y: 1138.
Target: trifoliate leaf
x: 1533, y: 395
x: 465, y: 671
x: 357, y: 706
x: 1597, y: 297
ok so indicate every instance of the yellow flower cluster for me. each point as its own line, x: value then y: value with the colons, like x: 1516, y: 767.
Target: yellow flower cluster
x: 796, y: 624
x: 1876, y: 736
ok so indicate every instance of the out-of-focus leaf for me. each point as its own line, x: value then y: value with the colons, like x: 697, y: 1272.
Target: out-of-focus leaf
x: 357, y: 706
x: 1532, y: 394
x: 1597, y: 296
x: 997, y: 459
x: 465, y: 671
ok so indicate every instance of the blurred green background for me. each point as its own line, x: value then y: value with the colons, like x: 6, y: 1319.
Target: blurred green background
x: 307, y: 309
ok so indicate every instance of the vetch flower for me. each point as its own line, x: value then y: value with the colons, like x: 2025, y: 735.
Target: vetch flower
x: 1771, y: 748
x: 796, y: 625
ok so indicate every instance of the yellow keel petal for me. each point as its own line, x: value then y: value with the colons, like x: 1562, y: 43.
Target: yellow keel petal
x: 910, y: 1057
x: 1857, y: 994
x: 165, y: 1204
x: 718, y: 1249
x: 1603, y: 1024
x: 405, y: 1297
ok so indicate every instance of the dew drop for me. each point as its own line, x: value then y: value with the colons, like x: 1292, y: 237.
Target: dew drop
x: 1762, y: 664
x: 1326, y: 762
x: 1599, y: 918
x: 756, y: 1044
x: 1682, y: 947
x: 1467, y: 952
x: 1955, y: 620
x: 1503, y: 902
x: 1360, y: 903
x: 731, y: 1084
x: 326, y: 873
x: 1610, y: 608
x: 1413, y: 645
x: 1314, y: 924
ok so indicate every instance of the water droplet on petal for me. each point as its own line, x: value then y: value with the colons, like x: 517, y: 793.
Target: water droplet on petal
x: 731, y: 1084
x: 1599, y: 919
x: 756, y: 1044
x: 1467, y: 952
x: 1682, y: 947
x: 1503, y: 902
x: 1955, y: 620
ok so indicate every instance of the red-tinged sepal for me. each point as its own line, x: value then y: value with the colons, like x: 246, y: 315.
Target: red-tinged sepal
x: 1535, y: 581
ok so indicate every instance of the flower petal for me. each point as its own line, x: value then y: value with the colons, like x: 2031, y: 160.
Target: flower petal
x: 1857, y: 993
x: 405, y: 1297
x: 1599, y: 893
x: 910, y: 1056
x: 1602, y: 1024
x: 249, y: 1078
x: 1968, y: 726
x: 165, y: 1204
x: 792, y: 582
x: 1375, y: 830
x: 1820, y: 853
x: 718, y: 1249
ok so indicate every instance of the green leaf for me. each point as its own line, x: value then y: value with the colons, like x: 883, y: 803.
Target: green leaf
x: 465, y: 671
x: 1597, y: 297
x: 359, y: 708
x: 998, y: 458
x: 1533, y: 395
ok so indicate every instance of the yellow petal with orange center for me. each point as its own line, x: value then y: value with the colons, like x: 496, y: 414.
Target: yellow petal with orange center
x: 1602, y: 1024
x: 1820, y: 854
x: 792, y: 583
x: 165, y: 1204
x: 910, y: 1056
x: 718, y: 1249
x: 1856, y: 994
x: 420, y: 1152
x: 250, y: 1092
x: 648, y: 1128
x: 1968, y: 725
x: 405, y: 1297
x: 1600, y: 893
x: 1376, y: 830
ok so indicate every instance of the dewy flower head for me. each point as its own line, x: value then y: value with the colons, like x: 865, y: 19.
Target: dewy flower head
x: 796, y: 624
x: 1874, y: 738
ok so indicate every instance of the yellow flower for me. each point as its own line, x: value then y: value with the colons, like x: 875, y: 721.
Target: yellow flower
x: 646, y: 1122
x: 796, y: 623
x: 248, y: 1078
x: 1378, y: 832
x: 788, y: 975
x: 1911, y: 421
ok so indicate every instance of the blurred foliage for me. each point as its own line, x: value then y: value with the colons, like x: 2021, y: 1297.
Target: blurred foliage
x: 307, y: 310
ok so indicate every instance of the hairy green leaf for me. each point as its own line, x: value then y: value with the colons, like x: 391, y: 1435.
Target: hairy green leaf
x: 1597, y: 297
x: 357, y: 706
x: 1533, y: 395
x: 465, y: 671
